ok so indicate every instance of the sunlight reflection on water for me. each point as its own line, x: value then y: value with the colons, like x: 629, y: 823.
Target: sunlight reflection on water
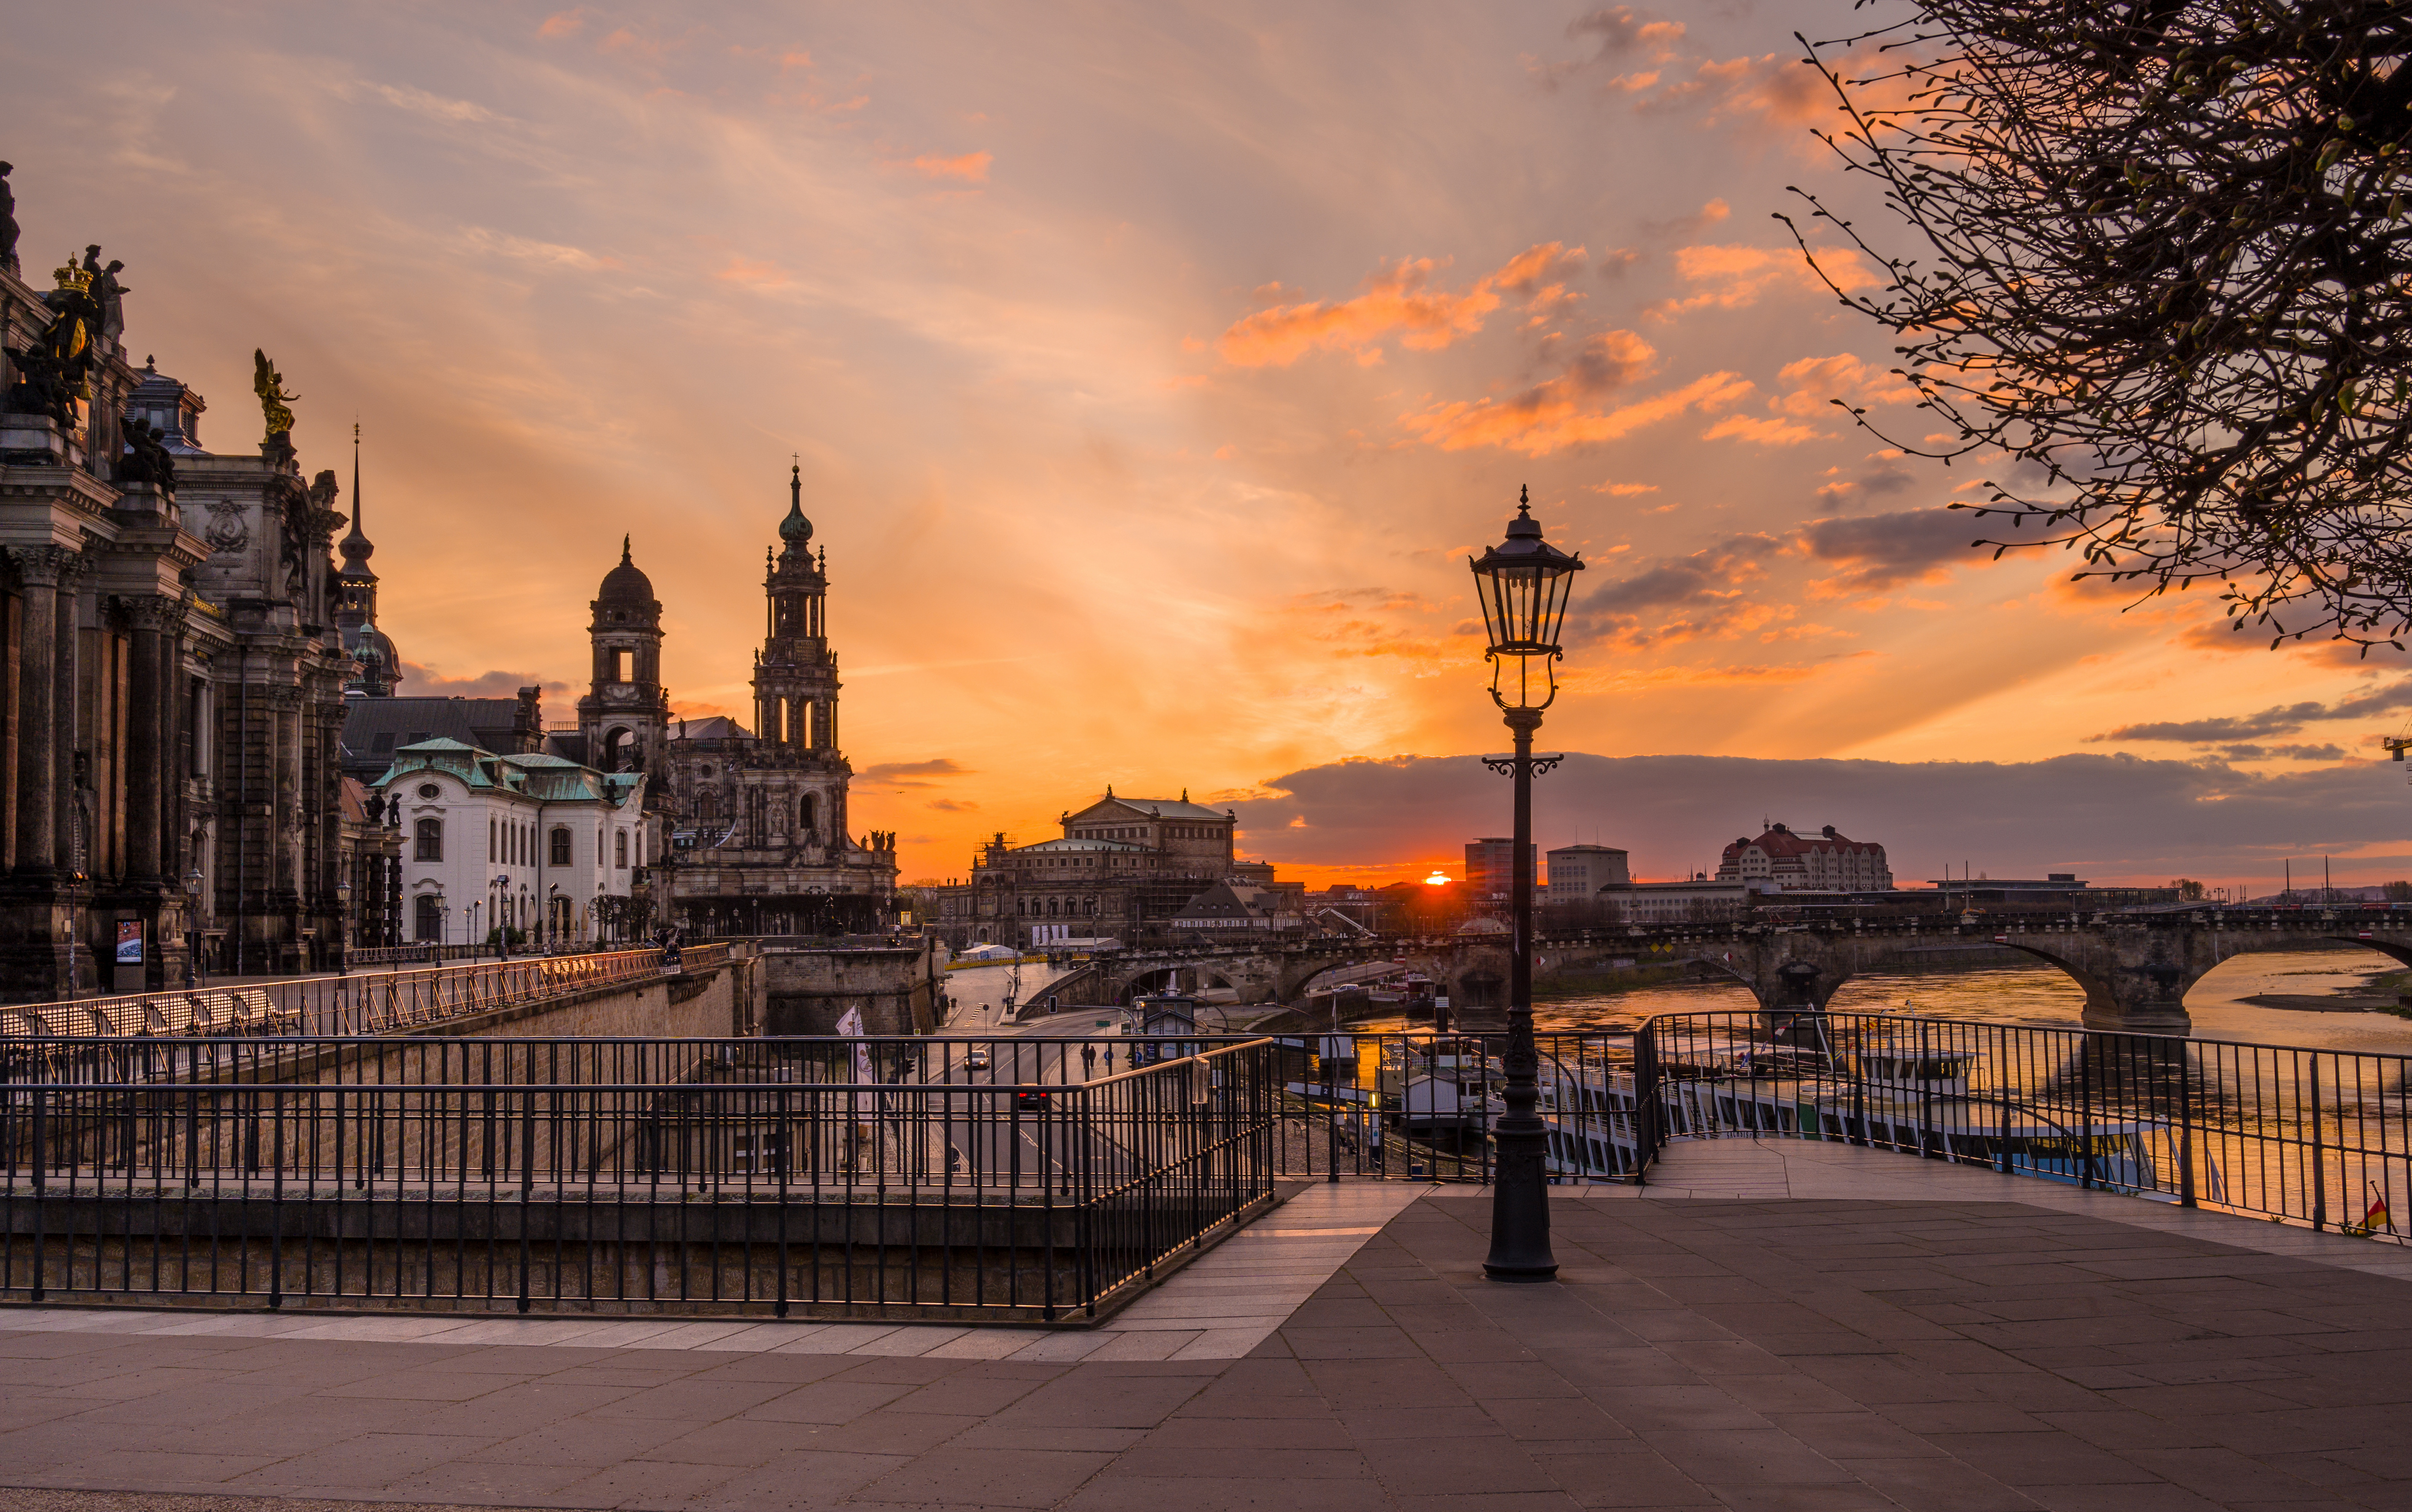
x: 2001, y: 995
x: 2040, y: 995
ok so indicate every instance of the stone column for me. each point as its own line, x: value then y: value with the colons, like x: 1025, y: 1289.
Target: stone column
x: 148, y: 752
x: 66, y: 655
x: 39, y: 570
x: 285, y: 836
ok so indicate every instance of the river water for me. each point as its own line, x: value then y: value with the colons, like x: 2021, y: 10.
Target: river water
x: 1999, y: 994
x: 2043, y: 996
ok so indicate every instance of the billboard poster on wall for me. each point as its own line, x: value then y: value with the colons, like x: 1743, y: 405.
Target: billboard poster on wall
x: 129, y: 942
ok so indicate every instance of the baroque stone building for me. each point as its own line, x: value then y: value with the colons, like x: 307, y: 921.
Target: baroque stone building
x: 755, y: 824
x: 1781, y: 859
x: 171, y: 681
x: 1125, y: 868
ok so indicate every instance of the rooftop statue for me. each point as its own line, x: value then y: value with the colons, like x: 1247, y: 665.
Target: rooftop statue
x: 107, y: 294
x: 8, y: 219
x: 274, y: 403
x: 53, y: 375
x: 146, y: 459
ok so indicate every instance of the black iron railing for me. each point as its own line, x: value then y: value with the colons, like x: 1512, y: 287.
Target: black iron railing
x: 2316, y: 1137
x: 879, y: 1176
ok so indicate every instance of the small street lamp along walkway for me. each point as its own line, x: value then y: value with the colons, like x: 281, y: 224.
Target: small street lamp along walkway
x: 1524, y: 583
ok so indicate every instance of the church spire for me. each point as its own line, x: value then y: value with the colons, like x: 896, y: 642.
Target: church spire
x: 624, y: 560
x: 356, y: 546
x: 376, y: 667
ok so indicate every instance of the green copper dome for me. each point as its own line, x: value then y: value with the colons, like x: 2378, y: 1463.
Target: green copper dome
x: 796, y: 530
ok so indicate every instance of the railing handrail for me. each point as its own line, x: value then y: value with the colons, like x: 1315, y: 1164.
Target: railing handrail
x: 2078, y: 1028
x: 434, y: 994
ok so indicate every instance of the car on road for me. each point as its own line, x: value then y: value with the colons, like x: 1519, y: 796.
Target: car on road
x: 1031, y: 1099
x: 976, y: 1060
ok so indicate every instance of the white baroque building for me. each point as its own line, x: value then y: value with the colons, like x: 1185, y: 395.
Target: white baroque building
x: 528, y: 841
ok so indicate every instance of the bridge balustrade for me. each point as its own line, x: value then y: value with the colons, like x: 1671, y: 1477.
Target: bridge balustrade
x: 363, y: 1003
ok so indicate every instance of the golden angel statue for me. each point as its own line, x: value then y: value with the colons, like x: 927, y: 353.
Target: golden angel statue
x: 274, y: 403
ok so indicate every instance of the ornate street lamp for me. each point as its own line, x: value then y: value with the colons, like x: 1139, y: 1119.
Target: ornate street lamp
x: 1524, y: 583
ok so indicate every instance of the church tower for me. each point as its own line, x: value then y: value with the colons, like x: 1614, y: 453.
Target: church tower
x: 625, y: 716
x: 376, y: 667
x: 758, y: 842
x: 795, y: 676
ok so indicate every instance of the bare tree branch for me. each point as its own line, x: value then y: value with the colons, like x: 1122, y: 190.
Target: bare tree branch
x: 2164, y: 279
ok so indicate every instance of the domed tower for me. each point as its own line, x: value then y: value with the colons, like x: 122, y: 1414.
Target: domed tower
x: 794, y: 690
x: 376, y: 667
x: 795, y: 680
x: 626, y: 715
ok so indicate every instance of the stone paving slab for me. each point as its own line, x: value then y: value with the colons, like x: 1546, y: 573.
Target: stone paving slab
x: 1848, y: 1351
x: 1759, y: 1169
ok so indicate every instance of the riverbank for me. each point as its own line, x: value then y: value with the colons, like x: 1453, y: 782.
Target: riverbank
x: 2386, y: 992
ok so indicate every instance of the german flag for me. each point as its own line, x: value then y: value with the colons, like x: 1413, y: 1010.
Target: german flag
x: 2376, y: 1216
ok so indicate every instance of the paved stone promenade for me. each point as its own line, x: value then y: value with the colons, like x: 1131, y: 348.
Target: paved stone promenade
x: 1962, y: 1343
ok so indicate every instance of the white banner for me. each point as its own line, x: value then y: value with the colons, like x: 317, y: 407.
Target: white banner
x: 850, y: 1025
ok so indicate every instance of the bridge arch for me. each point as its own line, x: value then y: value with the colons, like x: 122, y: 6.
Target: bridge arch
x: 2400, y: 952
x: 2135, y: 973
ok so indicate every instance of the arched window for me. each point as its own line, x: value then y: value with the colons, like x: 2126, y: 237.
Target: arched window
x: 561, y: 845
x: 494, y: 840
x: 707, y: 806
x: 427, y: 917
x: 430, y: 840
x: 808, y: 815
x: 619, y: 850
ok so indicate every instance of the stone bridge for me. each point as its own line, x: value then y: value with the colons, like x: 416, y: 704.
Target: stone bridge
x: 2134, y: 968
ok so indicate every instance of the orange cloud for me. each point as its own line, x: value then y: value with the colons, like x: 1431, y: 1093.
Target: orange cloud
x: 1765, y: 433
x: 972, y: 168
x: 1815, y: 382
x: 624, y: 41
x: 1737, y: 275
x: 563, y: 22
x: 752, y: 274
x: 1396, y: 298
x: 1781, y: 91
x: 1558, y: 414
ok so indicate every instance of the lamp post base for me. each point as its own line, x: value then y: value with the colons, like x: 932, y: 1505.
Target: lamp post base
x: 1520, y: 1193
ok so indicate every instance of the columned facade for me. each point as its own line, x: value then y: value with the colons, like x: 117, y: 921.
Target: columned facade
x: 169, y: 682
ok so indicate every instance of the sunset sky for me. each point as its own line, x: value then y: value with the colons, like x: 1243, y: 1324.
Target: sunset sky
x: 1153, y: 370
